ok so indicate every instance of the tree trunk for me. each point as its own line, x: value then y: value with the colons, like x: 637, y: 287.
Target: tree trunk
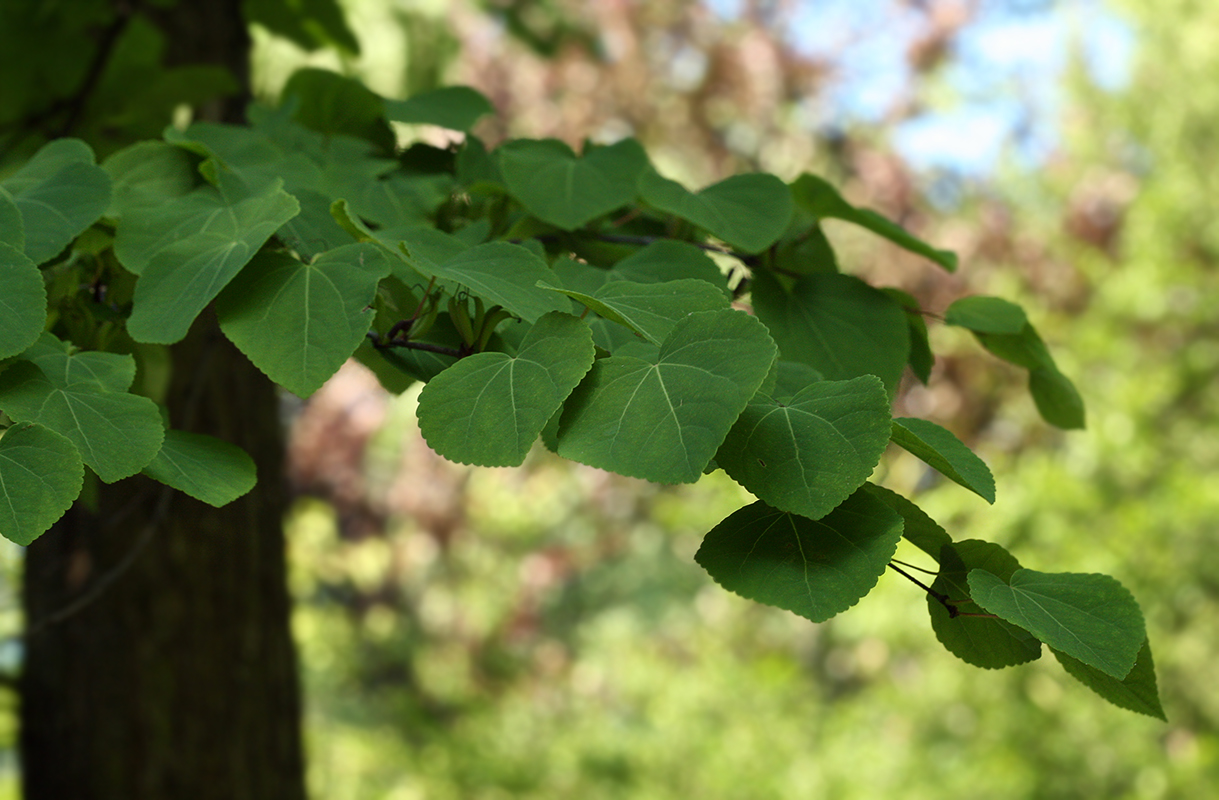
x: 179, y: 679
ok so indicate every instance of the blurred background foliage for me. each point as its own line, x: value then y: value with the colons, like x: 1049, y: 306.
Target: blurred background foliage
x: 544, y: 632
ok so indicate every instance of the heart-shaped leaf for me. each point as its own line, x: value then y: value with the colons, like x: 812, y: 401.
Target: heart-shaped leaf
x: 208, y: 236
x: 945, y: 453
x: 489, y: 408
x: 837, y: 324
x: 568, y: 191
x: 23, y: 301
x: 1136, y: 692
x: 815, y: 568
x: 40, y: 476
x: 1090, y: 617
x: 203, y: 467
x: 821, y: 199
x: 978, y: 640
x: 749, y: 212
x: 299, y: 322
x: 663, y: 419
x: 808, y: 454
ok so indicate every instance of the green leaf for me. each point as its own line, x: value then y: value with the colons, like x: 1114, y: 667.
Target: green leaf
x: 1024, y: 349
x: 23, y: 301
x: 1136, y: 692
x: 208, y: 236
x: 945, y: 453
x: 808, y: 454
x: 821, y: 199
x: 558, y: 187
x: 921, y: 358
x: 749, y: 212
x: 919, y: 529
x: 313, y: 230
x: 837, y: 324
x: 507, y: 275
x: 454, y: 107
x: 488, y: 409
x: 663, y: 419
x: 310, y: 24
x: 791, y: 377
x: 107, y: 371
x: 400, y: 199
x: 1090, y: 617
x: 60, y: 192
x: 1057, y: 400
x: 650, y: 309
x: 40, y: 476
x: 805, y: 249
x: 332, y: 104
x: 815, y: 568
x: 981, y: 641
x: 299, y: 322
x: 203, y: 467
x: 669, y: 260
x: 148, y: 174
x: 116, y: 433
x: 12, y: 227
x: 986, y: 315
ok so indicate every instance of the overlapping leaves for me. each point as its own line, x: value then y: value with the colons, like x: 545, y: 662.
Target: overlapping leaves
x: 1005, y: 331
x: 807, y: 454
x: 663, y: 419
x: 650, y: 310
x: 567, y: 190
x: 749, y: 212
x: 489, y: 408
x: 821, y: 199
x: 186, y: 251
x: 1092, y: 618
x: 965, y: 630
x: 60, y: 192
x: 837, y: 324
x: 83, y: 397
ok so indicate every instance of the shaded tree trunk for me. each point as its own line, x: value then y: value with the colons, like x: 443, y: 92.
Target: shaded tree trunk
x: 159, y: 661
x: 179, y: 679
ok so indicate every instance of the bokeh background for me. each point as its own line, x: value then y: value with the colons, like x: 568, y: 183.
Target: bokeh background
x: 543, y: 632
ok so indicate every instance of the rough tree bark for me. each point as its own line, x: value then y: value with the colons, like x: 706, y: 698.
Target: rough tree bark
x: 159, y: 661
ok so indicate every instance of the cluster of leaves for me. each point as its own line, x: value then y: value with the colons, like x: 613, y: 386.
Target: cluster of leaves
x: 582, y: 299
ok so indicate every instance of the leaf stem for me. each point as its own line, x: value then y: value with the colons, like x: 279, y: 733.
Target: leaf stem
x: 942, y: 598
x: 444, y: 350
